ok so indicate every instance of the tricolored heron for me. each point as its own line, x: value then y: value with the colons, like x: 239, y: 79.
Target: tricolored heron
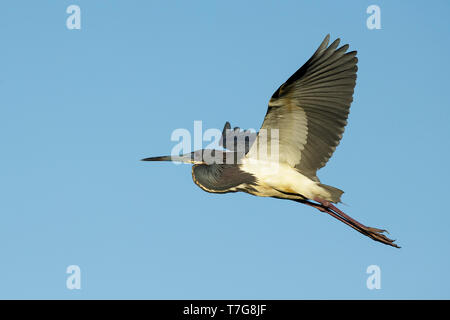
x: 305, y: 120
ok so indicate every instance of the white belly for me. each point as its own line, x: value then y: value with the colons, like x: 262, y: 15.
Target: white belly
x: 273, y: 176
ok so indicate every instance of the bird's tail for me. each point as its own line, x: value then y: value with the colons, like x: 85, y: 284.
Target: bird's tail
x: 334, y: 192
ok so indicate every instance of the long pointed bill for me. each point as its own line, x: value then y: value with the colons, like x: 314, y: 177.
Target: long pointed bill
x: 193, y: 157
x: 208, y: 156
x: 186, y: 158
x: 162, y: 158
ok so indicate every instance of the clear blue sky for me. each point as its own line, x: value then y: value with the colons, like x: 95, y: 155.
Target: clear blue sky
x: 79, y: 108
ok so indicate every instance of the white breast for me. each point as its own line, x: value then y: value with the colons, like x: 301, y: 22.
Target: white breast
x: 281, y: 176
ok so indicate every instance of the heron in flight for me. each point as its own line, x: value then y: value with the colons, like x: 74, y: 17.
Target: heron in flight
x: 303, y: 125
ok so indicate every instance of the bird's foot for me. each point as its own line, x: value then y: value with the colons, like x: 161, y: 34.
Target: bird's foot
x: 377, y: 235
x: 369, y: 229
x: 373, y: 233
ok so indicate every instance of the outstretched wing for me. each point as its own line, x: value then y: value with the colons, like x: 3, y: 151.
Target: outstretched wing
x: 310, y: 109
